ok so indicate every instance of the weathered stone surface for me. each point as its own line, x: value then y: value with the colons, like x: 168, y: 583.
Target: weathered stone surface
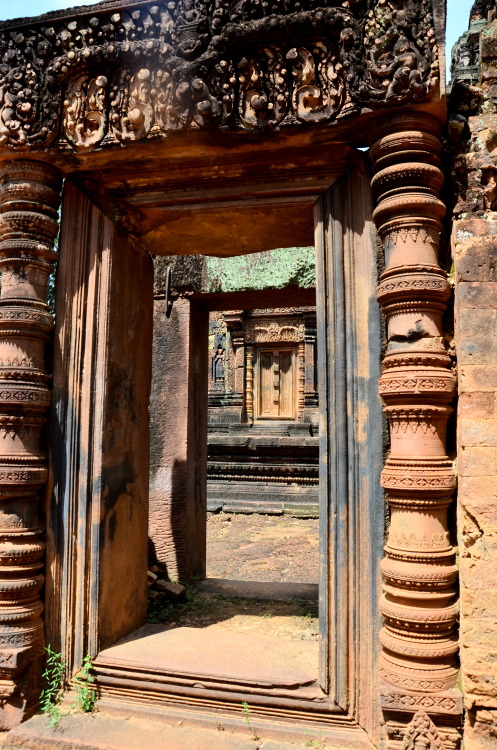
x: 177, y: 504
x: 475, y: 258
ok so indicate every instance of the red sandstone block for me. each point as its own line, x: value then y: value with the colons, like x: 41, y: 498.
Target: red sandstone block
x: 479, y: 633
x: 477, y: 405
x: 478, y: 432
x: 477, y: 462
x: 475, y: 324
x: 479, y: 498
x: 480, y: 575
x: 477, y: 293
x: 476, y: 737
x: 479, y: 660
x: 479, y: 350
x: 476, y: 260
x: 481, y: 684
x: 477, y: 378
x: 474, y: 605
x: 465, y: 229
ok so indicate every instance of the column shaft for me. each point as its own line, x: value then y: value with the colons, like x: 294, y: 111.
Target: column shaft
x: 29, y: 199
x: 419, y: 637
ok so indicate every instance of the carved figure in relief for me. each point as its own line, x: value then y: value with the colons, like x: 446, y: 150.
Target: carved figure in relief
x: 263, y: 85
x: 84, y: 120
x: 132, y: 97
x: 422, y: 734
x: 291, y: 63
x: 318, y: 89
x: 402, y: 51
x: 190, y: 30
x: 218, y: 365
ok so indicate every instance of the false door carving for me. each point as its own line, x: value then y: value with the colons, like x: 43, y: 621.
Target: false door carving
x: 276, y: 384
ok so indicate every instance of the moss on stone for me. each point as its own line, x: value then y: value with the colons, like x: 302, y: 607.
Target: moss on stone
x: 274, y: 269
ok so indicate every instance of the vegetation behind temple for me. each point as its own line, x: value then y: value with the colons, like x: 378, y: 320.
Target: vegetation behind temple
x: 275, y: 269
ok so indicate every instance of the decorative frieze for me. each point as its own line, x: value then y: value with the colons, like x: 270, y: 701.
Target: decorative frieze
x: 29, y: 201
x: 419, y: 605
x: 144, y: 70
x: 272, y: 331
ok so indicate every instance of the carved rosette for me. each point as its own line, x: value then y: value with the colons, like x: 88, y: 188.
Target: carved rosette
x: 419, y: 606
x: 29, y: 201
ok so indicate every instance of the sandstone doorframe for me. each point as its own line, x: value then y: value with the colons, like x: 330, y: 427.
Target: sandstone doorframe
x: 348, y: 262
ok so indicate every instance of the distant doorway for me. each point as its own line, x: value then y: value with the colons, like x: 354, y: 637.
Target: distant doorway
x: 275, y: 383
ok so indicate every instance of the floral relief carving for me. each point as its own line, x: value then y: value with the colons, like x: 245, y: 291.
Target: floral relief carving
x: 422, y: 734
x: 137, y: 72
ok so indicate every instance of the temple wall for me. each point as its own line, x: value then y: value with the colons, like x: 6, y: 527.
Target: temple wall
x: 473, y: 134
x: 178, y: 466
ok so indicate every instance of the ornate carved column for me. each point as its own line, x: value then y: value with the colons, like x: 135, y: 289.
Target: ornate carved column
x: 418, y: 664
x: 29, y: 199
x: 301, y: 381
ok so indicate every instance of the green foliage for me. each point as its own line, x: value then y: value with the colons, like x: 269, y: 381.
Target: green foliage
x: 309, y: 610
x: 248, y: 721
x: 317, y: 744
x: 86, y: 696
x: 53, y: 687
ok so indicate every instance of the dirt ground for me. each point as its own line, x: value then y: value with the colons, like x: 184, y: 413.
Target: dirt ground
x: 252, y: 548
x: 262, y: 548
x: 288, y: 620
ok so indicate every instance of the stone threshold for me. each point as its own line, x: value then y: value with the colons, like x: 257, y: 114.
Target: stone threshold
x: 127, y: 729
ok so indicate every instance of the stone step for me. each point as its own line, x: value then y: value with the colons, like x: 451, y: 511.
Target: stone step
x: 255, y: 506
x: 280, y: 591
x: 99, y: 731
x: 125, y: 728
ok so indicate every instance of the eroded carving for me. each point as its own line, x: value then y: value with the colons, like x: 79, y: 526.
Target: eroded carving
x: 142, y: 72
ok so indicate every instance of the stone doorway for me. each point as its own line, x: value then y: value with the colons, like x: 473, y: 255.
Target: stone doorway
x: 350, y: 467
x: 262, y: 608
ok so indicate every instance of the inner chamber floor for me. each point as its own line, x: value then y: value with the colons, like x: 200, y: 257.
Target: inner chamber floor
x: 214, y: 652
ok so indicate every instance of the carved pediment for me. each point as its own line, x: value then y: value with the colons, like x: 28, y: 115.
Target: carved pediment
x: 125, y: 72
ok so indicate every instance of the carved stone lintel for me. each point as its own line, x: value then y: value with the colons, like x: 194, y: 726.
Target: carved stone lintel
x: 114, y: 77
x: 29, y: 200
x: 419, y: 638
x: 269, y: 331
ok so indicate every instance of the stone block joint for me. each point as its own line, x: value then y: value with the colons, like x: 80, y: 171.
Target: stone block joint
x: 419, y: 659
x: 29, y: 200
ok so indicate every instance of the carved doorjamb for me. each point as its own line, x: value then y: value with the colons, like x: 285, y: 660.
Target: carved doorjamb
x: 301, y: 380
x: 98, y: 501
x: 29, y: 199
x: 418, y: 665
x: 351, y: 451
x: 249, y: 384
